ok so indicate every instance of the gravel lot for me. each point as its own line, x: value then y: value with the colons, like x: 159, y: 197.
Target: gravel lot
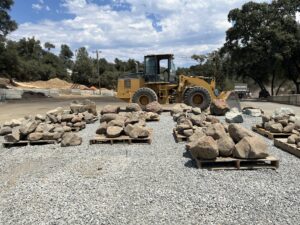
x: 141, y: 184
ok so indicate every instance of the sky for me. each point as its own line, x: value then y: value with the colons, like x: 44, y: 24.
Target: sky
x: 127, y: 28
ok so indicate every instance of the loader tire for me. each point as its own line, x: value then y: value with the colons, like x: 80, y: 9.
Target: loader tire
x: 144, y: 96
x: 197, y: 97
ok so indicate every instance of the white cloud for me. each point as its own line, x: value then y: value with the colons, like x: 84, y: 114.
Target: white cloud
x: 40, y: 5
x: 37, y: 6
x: 187, y: 27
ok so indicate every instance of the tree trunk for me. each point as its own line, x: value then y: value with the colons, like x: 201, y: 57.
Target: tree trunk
x: 261, y: 85
x: 272, y: 84
x: 278, y: 89
x: 297, y: 84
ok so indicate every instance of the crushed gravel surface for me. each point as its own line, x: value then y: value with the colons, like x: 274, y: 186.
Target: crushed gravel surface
x: 141, y: 184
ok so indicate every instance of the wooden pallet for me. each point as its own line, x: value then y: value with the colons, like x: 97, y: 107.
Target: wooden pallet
x: 178, y: 137
x: 283, y: 145
x: 25, y: 143
x: 270, y: 135
x: 92, y: 121
x: 153, y: 120
x: 102, y: 139
x: 238, y: 164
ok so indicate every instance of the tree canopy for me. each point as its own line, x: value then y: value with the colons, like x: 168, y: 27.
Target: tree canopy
x: 7, y: 25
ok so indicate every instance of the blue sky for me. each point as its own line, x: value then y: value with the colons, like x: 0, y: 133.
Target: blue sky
x: 127, y: 28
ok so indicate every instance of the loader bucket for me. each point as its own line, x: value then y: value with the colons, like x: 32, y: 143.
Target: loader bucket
x: 233, y: 101
x: 231, y: 98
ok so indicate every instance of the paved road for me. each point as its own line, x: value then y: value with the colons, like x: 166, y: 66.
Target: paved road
x: 19, y: 108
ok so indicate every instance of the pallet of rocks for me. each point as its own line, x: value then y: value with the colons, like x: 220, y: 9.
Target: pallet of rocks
x: 33, y: 131
x: 281, y: 124
x: 134, y: 110
x: 290, y: 144
x: 189, y: 122
x: 120, y: 127
x: 54, y: 127
x: 234, y: 147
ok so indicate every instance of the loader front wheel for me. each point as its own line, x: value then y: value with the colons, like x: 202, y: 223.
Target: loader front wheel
x: 197, y: 97
x: 144, y: 96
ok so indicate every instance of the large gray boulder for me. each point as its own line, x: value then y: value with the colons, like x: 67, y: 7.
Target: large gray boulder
x: 86, y: 106
x: 265, y: 118
x: 110, y: 109
x: 28, y: 126
x: 204, y: 148
x: 225, y: 146
x: 113, y: 131
x: 108, y: 117
x: 52, y: 118
x: 14, y: 136
x: 154, y: 107
x: 136, y: 131
x: 276, y: 128
x: 35, y: 136
x: 180, y: 107
x: 196, y: 111
x: 293, y: 139
x: 238, y: 132
x: 51, y: 136
x: 289, y: 128
x: 58, y: 110
x: 88, y: 117
x: 133, y: 107
x: 76, y: 119
x: 216, y: 131
x: 102, y: 128
x: 254, y: 112
x: 251, y: 148
x: 234, y: 116
x: 198, y: 120
x: 149, y: 116
x: 40, y: 117
x: 5, y: 131
x: 116, y: 122
x: 198, y: 133
x: 70, y: 139
x: 67, y: 117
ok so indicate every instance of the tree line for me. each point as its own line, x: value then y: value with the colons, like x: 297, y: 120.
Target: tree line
x: 262, y: 44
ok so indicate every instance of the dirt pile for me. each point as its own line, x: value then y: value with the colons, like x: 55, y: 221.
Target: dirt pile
x: 52, y: 83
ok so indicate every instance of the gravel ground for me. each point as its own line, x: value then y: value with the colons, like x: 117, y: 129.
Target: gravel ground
x: 141, y: 184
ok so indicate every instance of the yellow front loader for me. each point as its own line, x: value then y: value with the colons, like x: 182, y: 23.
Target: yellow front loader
x: 159, y: 83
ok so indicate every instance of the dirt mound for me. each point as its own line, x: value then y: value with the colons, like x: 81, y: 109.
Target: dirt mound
x: 52, y: 83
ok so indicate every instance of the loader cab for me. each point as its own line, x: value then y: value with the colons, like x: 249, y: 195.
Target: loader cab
x: 159, y: 69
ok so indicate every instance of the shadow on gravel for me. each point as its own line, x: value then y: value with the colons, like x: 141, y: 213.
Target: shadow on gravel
x: 190, y: 164
x: 187, y: 154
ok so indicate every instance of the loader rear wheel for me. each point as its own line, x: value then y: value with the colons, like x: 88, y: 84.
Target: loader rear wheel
x: 197, y: 97
x: 144, y: 96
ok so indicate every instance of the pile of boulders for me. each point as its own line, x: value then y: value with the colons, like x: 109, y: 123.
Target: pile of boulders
x: 131, y: 123
x: 218, y: 140
x: 189, y: 120
x: 57, y: 125
x: 283, y: 120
